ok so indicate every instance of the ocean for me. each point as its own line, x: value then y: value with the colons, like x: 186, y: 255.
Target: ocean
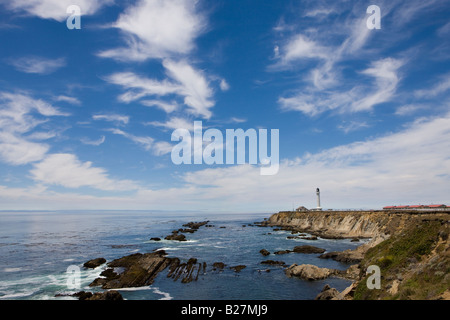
x: 39, y: 249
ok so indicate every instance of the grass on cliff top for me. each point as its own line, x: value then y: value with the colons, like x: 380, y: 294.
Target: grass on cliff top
x: 402, y: 257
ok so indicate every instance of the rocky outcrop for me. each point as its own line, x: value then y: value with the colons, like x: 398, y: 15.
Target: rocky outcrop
x: 327, y: 293
x: 273, y: 262
x: 308, y: 249
x: 340, y: 224
x: 111, y: 295
x: 136, y: 270
x: 94, y: 263
x: 309, y: 272
x: 238, y: 268
x: 188, y: 271
x: 178, y: 235
x: 264, y: 252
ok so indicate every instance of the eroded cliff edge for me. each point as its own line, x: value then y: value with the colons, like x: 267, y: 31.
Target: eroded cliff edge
x: 412, y: 249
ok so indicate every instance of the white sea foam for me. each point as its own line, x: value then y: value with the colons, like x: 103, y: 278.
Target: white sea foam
x: 166, y: 296
x: 12, y: 269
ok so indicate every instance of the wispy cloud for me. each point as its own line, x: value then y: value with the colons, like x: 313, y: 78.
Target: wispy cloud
x: 361, y: 97
x: 54, y: 9
x: 67, y: 170
x: 441, y: 86
x: 183, y: 80
x: 93, y: 142
x: 157, y: 29
x: 173, y: 123
x: 112, y: 118
x: 350, y: 126
x: 158, y: 148
x: 167, y: 107
x: 71, y: 100
x: 37, y: 65
x: 17, y: 122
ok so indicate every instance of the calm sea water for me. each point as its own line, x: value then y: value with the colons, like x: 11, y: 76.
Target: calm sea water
x: 37, y: 248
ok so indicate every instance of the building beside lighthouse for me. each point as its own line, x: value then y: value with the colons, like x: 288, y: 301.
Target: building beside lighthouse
x: 318, y: 208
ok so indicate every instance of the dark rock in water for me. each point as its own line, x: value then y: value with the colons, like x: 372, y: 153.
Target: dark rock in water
x: 238, y: 268
x: 109, y: 274
x: 354, y: 240
x: 107, y: 295
x: 189, y: 271
x: 327, y: 293
x: 347, y: 256
x: 176, y: 236
x: 155, y: 239
x: 195, y: 225
x: 264, y: 252
x: 272, y: 262
x: 94, y: 263
x: 187, y: 230
x: 83, y: 295
x: 137, y: 270
x: 309, y: 272
x: 218, y: 265
x: 309, y: 238
x: 282, y: 252
x: 308, y: 249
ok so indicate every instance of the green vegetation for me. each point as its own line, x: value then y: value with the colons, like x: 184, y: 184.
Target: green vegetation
x: 415, y: 259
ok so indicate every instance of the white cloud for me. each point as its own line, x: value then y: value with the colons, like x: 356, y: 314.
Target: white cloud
x: 157, y: 29
x: 18, y: 118
x: 440, y: 87
x: 54, y: 9
x: 158, y: 148
x: 67, y: 170
x: 301, y: 47
x: 352, y: 126
x: 18, y: 151
x: 385, y: 72
x: 94, y: 142
x: 409, y: 109
x: 168, y: 107
x: 194, y: 87
x: 224, y: 86
x: 386, y: 170
x: 112, y: 118
x: 312, y: 101
x: 71, y: 100
x: 173, y: 123
x: 145, y: 142
x: 38, y: 65
x: 185, y: 81
x: 161, y: 148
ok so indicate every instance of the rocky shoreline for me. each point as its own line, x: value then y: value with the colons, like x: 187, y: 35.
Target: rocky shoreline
x: 137, y: 270
x: 412, y: 250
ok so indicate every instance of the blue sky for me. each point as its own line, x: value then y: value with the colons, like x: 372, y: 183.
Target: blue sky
x: 86, y: 115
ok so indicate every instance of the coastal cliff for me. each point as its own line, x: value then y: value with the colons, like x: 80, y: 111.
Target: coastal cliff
x: 412, y: 250
x: 342, y: 224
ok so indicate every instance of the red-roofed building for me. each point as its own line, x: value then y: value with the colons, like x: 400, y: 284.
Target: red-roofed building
x: 419, y: 207
x: 437, y: 206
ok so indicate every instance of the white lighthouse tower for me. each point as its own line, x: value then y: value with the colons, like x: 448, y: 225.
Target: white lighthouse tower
x: 319, y: 208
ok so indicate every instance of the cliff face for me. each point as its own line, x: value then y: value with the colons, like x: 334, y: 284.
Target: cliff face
x: 411, y: 248
x: 339, y: 224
